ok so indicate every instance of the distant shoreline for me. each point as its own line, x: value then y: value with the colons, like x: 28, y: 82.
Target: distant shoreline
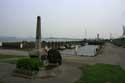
x: 51, y: 39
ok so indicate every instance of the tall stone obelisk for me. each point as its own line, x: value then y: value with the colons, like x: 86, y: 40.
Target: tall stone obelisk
x: 39, y: 52
x: 38, y: 33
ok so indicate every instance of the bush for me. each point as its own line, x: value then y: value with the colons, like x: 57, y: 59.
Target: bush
x: 16, y: 45
x: 11, y: 45
x: 29, y: 64
x: 119, y: 42
x: 95, y: 42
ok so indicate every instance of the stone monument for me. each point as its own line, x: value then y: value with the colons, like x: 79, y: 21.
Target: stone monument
x: 51, y: 60
x: 39, y: 52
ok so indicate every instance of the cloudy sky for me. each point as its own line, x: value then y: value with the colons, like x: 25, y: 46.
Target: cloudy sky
x: 62, y: 18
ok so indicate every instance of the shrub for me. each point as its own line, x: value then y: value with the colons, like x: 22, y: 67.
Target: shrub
x: 11, y: 45
x: 119, y: 42
x: 31, y: 64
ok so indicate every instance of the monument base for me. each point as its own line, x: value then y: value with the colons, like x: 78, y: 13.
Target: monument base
x: 41, y: 74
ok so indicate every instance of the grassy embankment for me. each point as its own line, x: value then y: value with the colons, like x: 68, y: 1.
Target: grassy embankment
x: 102, y: 73
x: 2, y: 81
x: 119, y: 42
x: 10, y: 58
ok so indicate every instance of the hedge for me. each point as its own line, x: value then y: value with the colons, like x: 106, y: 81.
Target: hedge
x: 31, y: 64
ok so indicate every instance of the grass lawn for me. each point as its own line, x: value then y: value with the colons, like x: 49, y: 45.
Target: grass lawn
x: 3, y: 56
x: 9, y: 61
x: 9, y: 58
x: 25, y: 49
x: 119, y: 42
x: 102, y: 73
x: 2, y: 81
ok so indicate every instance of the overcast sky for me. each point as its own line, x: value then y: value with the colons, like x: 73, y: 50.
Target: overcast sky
x: 62, y: 18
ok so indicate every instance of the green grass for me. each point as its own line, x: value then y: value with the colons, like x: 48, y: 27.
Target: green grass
x: 25, y: 49
x: 8, y: 58
x: 9, y: 61
x: 102, y: 73
x: 119, y: 42
x: 2, y: 81
x: 3, y: 56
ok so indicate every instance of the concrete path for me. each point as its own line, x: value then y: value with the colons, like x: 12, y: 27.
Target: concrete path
x: 112, y: 55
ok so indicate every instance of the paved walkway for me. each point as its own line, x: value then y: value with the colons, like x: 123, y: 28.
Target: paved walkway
x: 112, y: 55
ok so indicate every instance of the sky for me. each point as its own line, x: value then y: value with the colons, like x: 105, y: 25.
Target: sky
x: 62, y: 18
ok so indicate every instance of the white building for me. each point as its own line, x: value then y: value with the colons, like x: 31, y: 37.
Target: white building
x: 0, y: 44
x: 21, y: 45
